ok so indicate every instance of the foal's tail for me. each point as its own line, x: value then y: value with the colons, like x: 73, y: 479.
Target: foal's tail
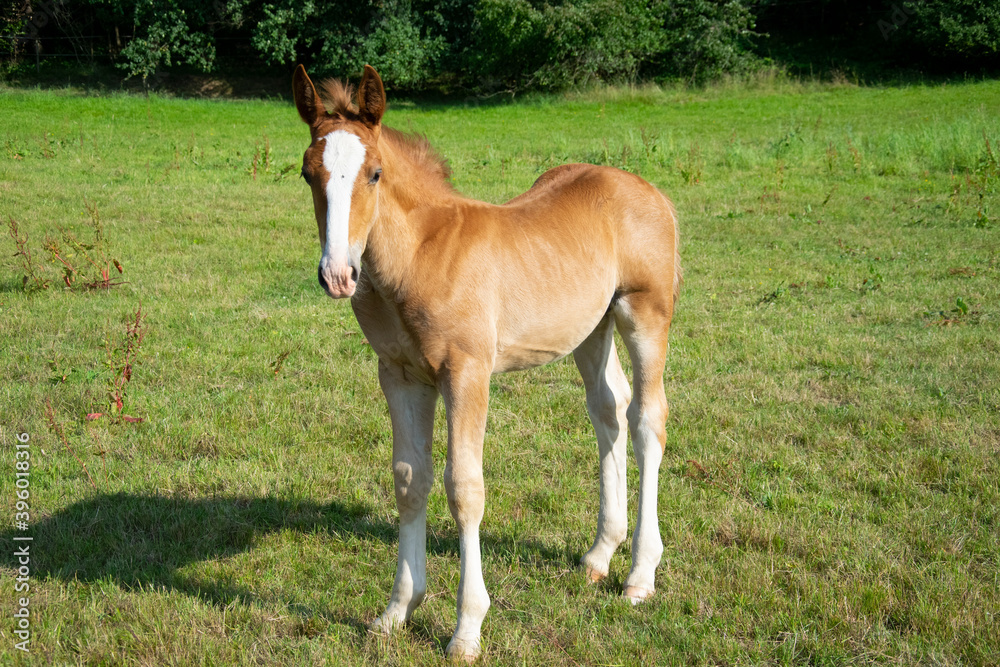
x: 678, y: 271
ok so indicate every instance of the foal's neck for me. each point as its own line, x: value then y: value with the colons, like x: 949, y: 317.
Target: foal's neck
x: 407, y: 188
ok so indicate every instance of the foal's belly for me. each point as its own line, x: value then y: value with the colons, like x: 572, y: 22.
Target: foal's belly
x: 567, y: 295
x: 556, y: 329
x: 521, y: 357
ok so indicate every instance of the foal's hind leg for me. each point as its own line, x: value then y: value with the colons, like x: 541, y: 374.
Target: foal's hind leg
x: 643, y: 320
x: 411, y: 407
x: 608, y: 396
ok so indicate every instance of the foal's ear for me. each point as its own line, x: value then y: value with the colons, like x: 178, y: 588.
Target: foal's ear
x: 371, y: 97
x: 306, y: 99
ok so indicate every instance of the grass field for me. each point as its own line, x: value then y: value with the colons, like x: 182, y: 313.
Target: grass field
x: 830, y: 492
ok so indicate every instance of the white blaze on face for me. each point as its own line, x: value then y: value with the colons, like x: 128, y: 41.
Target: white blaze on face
x: 343, y: 156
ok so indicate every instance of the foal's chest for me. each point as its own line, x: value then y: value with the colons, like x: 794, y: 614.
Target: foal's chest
x: 382, y: 323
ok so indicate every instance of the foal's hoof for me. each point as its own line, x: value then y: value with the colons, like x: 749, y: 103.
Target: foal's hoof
x: 636, y: 595
x: 462, y: 650
x: 594, y: 575
x: 384, y: 625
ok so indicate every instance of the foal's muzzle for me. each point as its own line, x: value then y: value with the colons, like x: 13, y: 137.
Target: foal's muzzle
x: 339, y: 279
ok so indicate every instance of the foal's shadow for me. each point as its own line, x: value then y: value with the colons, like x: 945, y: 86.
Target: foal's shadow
x: 140, y: 540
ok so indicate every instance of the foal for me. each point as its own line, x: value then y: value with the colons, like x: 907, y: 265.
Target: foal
x: 449, y: 291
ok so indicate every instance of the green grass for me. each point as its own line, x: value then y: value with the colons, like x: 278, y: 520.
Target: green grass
x: 830, y: 492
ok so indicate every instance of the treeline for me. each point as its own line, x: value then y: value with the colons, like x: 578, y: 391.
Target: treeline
x: 490, y: 45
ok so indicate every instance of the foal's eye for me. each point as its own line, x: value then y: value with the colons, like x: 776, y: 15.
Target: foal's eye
x: 377, y: 175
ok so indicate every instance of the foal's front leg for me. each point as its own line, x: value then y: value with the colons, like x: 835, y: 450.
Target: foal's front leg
x: 411, y: 408
x: 466, y: 390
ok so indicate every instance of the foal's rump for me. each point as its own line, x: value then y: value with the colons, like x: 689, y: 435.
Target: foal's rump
x: 608, y: 215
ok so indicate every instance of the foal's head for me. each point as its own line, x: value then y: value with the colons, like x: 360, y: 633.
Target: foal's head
x: 342, y: 166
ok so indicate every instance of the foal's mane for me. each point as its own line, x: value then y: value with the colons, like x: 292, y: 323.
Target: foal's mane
x: 338, y: 99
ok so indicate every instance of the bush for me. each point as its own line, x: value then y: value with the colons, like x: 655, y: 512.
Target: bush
x: 479, y: 44
x: 884, y: 37
x: 503, y: 44
x: 168, y: 34
x: 967, y: 30
x: 703, y: 39
x: 340, y: 37
x: 525, y: 44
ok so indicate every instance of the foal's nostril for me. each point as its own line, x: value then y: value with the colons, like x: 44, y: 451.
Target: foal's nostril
x: 354, y: 273
x: 319, y: 274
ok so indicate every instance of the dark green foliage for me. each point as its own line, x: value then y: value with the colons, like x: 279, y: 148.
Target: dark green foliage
x: 945, y: 36
x: 505, y: 45
x: 520, y: 44
x: 338, y: 38
x: 701, y: 39
x: 966, y: 29
x: 478, y: 44
x: 13, y: 21
x: 538, y: 44
x: 140, y: 36
x: 166, y: 33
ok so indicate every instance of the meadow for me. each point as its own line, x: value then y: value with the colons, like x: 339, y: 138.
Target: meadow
x: 830, y: 491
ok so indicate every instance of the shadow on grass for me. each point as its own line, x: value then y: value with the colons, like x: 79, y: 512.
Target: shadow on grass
x: 12, y: 285
x: 141, y: 541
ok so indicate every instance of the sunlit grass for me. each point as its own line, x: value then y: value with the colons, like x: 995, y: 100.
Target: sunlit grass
x: 829, y: 493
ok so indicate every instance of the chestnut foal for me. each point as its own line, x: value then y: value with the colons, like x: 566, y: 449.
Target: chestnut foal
x: 450, y: 290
